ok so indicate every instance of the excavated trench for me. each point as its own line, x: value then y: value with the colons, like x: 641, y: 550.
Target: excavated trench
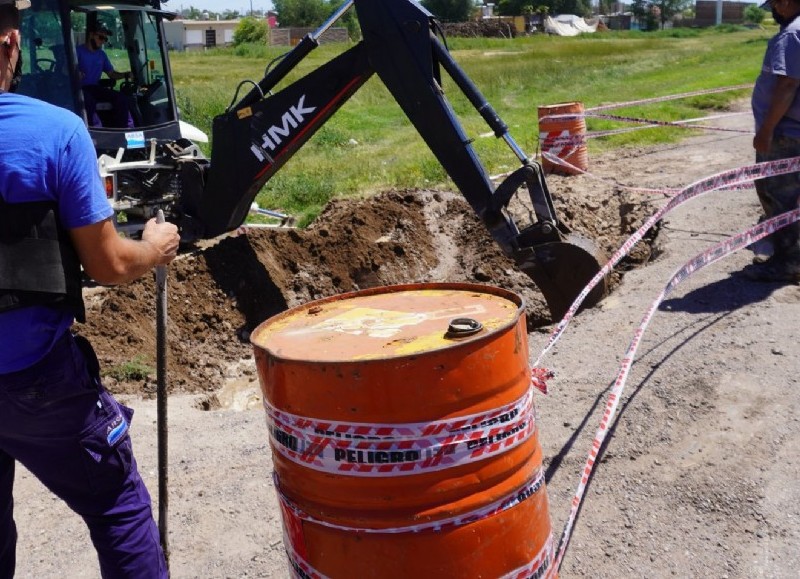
x: 217, y: 295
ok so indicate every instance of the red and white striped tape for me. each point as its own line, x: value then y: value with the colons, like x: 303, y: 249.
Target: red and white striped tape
x: 403, y: 431
x: 561, y: 144
x: 382, y: 450
x: 299, y: 567
x: 700, y: 261
x: 670, y: 97
x: 558, y: 145
x: 539, y: 566
x: 664, y: 191
x: 725, y: 179
x: 556, y: 142
x: 513, y: 499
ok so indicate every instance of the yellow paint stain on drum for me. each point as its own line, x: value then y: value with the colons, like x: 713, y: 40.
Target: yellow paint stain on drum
x: 397, y: 323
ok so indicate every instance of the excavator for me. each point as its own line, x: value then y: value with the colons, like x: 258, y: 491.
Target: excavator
x: 158, y: 165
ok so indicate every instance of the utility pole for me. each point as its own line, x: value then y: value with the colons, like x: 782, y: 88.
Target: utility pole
x: 251, y: 8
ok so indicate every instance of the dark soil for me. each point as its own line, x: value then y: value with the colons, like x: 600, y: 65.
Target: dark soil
x: 218, y: 295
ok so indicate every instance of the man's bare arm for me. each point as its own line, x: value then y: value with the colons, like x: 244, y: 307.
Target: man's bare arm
x: 110, y: 259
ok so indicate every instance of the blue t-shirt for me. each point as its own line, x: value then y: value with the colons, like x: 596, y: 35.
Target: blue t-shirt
x: 92, y: 64
x: 47, y: 154
x: 782, y: 58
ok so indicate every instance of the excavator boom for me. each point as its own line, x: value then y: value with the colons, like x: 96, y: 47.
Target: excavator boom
x: 257, y: 135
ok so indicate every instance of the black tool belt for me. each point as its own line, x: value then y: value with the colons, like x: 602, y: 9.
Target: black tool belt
x: 38, y: 262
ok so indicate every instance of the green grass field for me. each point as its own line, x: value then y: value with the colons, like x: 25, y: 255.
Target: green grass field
x: 369, y: 145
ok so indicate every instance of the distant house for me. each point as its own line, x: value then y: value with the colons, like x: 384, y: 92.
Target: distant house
x: 199, y: 34
x: 706, y: 12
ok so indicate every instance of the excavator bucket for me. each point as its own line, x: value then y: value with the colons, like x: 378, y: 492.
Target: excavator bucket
x: 562, y: 269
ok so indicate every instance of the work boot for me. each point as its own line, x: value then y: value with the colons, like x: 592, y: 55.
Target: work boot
x: 773, y: 270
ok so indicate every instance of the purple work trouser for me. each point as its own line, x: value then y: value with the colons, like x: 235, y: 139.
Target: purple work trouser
x: 60, y: 423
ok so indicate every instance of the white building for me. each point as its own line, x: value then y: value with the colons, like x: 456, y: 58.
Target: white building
x: 199, y: 34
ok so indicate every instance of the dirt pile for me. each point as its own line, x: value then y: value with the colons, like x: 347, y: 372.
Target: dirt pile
x: 217, y: 295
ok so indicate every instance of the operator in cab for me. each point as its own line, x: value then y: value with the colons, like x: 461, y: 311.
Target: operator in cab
x: 92, y: 63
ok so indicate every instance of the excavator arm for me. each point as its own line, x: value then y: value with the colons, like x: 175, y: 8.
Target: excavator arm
x: 262, y: 131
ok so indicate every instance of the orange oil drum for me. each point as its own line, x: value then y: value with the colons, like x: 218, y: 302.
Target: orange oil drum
x: 564, y: 138
x: 403, y: 435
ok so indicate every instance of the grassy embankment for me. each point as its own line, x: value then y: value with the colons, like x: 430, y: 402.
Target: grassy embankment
x: 370, y: 146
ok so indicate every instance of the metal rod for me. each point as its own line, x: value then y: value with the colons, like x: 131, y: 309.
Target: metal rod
x: 161, y: 401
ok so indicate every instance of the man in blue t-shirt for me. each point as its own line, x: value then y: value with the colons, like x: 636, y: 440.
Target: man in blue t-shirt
x: 776, y: 109
x: 56, y: 418
x: 92, y: 63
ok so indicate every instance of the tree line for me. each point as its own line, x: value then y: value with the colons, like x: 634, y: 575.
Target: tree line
x: 652, y: 14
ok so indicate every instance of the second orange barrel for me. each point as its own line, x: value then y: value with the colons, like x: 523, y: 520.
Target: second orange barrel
x: 562, y: 134
x: 403, y: 435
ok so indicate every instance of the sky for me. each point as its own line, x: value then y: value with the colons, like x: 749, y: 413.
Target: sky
x: 218, y: 5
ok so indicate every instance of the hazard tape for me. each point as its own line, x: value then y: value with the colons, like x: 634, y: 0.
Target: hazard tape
x: 513, y: 499
x: 670, y: 97
x: 556, y: 140
x: 299, y: 567
x: 684, y: 124
x: 664, y: 191
x: 403, y: 431
x: 379, y: 450
x: 539, y: 378
x: 700, y: 261
x: 725, y: 179
x: 563, y: 138
x: 294, y: 543
x: 539, y: 567
x: 556, y: 145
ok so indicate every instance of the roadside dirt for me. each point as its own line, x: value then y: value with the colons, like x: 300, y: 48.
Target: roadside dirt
x: 698, y: 478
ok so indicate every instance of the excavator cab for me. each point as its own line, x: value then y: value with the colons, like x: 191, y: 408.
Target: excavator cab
x: 52, y: 32
x: 134, y: 44
x: 138, y: 179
